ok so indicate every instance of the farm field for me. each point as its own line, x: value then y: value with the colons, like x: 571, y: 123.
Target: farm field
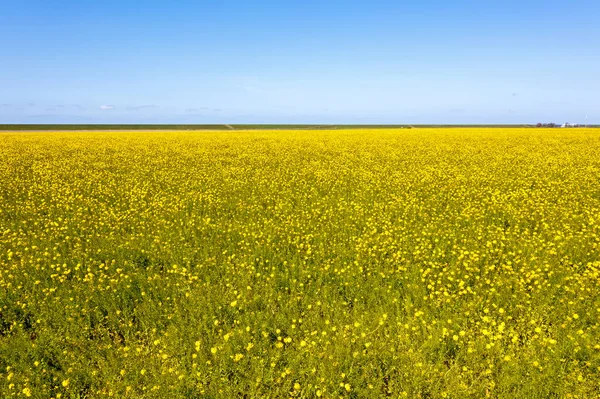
x: 419, y: 263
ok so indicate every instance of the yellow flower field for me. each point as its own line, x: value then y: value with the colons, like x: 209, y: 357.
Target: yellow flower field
x: 419, y: 263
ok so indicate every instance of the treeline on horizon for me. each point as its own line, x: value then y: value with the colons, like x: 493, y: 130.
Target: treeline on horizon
x: 64, y: 127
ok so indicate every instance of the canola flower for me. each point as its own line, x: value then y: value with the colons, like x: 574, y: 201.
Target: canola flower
x: 352, y: 263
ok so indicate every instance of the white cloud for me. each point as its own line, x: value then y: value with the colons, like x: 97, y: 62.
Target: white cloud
x: 106, y: 107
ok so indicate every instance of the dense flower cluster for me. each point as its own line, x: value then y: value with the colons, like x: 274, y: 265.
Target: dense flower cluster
x: 355, y: 263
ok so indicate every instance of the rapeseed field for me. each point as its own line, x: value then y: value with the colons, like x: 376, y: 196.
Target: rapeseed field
x: 421, y: 263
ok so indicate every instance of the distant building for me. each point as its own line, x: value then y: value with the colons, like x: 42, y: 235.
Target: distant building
x: 555, y: 125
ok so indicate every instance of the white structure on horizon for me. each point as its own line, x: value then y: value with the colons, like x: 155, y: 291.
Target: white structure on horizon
x: 569, y: 125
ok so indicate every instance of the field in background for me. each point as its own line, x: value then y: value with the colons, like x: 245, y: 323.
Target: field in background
x: 355, y: 263
x: 171, y: 127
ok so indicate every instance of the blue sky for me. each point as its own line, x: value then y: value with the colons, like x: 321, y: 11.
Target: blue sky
x: 299, y: 61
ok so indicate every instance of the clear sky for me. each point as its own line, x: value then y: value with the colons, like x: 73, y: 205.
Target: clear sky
x: 230, y: 61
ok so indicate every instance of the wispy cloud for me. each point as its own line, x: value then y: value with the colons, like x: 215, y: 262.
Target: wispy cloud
x: 66, y: 106
x: 202, y: 109
x: 60, y: 108
x: 141, y: 107
x: 107, y: 107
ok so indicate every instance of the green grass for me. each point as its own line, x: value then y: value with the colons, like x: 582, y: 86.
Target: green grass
x: 83, y: 127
